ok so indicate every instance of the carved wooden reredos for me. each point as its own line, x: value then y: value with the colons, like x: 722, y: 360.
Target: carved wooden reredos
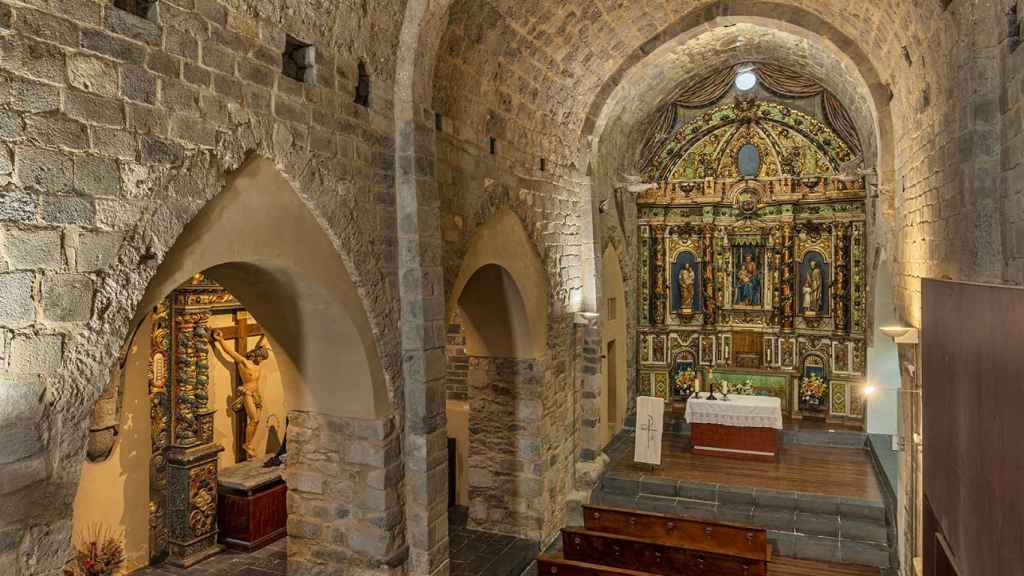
x: 754, y: 199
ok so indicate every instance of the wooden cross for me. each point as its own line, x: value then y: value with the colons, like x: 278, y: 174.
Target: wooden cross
x: 240, y: 333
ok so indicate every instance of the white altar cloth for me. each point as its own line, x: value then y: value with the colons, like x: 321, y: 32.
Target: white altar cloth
x: 741, y: 411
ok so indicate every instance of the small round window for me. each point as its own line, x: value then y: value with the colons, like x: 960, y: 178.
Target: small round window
x: 746, y: 81
x: 748, y: 161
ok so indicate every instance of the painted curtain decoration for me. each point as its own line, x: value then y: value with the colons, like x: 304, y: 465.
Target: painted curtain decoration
x: 748, y: 272
x: 686, y: 288
x: 752, y: 251
x: 814, y: 285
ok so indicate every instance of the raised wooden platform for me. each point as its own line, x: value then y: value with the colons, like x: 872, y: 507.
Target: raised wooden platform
x: 801, y: 468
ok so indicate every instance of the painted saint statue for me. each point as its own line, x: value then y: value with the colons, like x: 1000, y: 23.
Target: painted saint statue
x: 687, y: 279
x: 748, y: 282
x: 248, y: 397
x: 812, y: 289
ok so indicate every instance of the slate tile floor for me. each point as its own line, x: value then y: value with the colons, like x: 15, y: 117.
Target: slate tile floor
x: 269, y: 561
x: 472, y: 553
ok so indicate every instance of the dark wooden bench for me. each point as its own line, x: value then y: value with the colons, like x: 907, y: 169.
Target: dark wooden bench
x: 713, y: 537
x: 633, y: 553
x: 548, y: 565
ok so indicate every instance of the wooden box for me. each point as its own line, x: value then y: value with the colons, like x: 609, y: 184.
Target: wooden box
x: 250, y: 516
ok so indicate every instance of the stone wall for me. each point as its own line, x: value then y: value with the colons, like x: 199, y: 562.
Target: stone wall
x: 115, y: 130
x: 507, y: 469
x: 344, y: 500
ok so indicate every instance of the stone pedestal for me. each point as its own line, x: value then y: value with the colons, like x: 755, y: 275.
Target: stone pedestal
x: 192, y: 504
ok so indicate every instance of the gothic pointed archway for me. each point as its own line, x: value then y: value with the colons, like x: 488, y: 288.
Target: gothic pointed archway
x: 258, y: 240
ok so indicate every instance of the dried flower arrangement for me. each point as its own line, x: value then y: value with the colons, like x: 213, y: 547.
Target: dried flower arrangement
x: 98, y: 553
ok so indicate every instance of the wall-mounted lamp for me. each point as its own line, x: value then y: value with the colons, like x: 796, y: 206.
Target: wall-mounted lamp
x: 902, y: 334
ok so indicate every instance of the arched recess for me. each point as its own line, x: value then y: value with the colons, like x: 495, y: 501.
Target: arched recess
x: 499, y: 303
x: 504, y: 241
x: 261, y: 242
x: 614, y: 361
x: 258, y: 240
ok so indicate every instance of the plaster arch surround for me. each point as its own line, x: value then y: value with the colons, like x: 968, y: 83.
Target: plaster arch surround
x: 504, y: 242
x: 258, y: 240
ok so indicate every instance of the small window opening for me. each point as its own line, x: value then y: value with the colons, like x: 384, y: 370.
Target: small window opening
x: 746, y: 80
x: 494, y: 145
x: 363, y: 86
x: 141, y: 8
x: 543, y: 165
x: 438, y: 121
x: 299, y: 60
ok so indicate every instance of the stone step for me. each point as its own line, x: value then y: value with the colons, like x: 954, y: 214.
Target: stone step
x: 801, y: 525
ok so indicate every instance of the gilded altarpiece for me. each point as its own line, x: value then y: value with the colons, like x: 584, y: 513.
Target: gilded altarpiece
x: 183, y: 481
x: 752, y: 261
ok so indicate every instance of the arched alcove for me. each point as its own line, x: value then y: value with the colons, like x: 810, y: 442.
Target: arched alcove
x: 260, y: 242
x: 498, y: 312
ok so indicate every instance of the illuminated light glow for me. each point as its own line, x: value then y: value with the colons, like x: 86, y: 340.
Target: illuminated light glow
x: 869, y: 390
x: 746, y: 80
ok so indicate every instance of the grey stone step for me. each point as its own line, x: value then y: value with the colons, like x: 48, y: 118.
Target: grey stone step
x: 800, y: 525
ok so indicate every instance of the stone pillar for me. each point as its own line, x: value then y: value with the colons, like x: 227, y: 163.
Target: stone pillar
x: 344, y: 502
x: 192, y: 457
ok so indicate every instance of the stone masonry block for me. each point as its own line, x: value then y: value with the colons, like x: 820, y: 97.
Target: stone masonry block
x: 34, y: 249
x: 31, y: 96
x: 33, y: 58
x: 16, y: 303
x: 94, y: 109
x: 97, y: 250
x: 36, y: 354
x: 22, y: 406
x: 67, y: 297
x: 22, y: 473
x: 47, y: 170
x: 93, y: 74
x: 68, y: 210
x: 97, y: 176
x: 123, y: 23
x: 58, y: 131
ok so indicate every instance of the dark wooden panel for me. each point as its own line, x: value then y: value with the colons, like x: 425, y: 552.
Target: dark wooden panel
x: 646, y: 556
x: 735, y: 442
x: 251, y: 521
x: 547, y: 565
x: 727, y: 539
x: 814, y: 469
x: 972, y: 374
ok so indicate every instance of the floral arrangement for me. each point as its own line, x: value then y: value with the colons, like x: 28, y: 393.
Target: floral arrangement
x: 744, y: 389
x: 812, y: 390
x: 99, y: 554
x: 684, y: 383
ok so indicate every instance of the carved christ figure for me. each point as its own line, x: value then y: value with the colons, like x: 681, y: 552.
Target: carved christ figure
x: 249, y: 398
x: 686, y: 286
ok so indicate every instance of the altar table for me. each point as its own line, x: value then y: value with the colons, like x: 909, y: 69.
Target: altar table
x: 252, y: 505
x: 742, y: 427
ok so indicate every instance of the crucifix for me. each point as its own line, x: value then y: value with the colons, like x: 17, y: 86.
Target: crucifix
x: 247, y: 404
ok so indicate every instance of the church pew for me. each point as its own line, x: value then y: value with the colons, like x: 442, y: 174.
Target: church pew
x: 665, y: 560
x: 714, y: 537
x: 547, y: 565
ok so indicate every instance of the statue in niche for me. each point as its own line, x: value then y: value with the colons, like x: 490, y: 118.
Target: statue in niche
x: 249, y: 398
x: 748, y: 277
x: 814, y: 284
x: 687, y: 279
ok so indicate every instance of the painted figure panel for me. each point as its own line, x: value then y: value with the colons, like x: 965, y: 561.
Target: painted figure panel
x: 748, y: 276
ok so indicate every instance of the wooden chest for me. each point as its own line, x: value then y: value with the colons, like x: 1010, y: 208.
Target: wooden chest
x: 251, y: 518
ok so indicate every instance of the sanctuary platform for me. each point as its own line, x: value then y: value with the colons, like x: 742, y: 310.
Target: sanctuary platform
x: 825, y: 499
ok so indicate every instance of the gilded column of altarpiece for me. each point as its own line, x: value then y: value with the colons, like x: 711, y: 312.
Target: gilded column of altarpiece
x: 191, y: 476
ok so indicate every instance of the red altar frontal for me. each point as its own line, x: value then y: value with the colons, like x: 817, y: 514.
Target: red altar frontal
x: 739, y: 427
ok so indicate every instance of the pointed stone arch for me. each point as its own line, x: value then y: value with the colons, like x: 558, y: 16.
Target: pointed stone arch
x: 266, y: 244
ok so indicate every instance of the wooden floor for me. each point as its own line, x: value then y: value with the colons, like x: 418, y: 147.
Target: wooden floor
x: 815, y: 469
x: 790, y: 567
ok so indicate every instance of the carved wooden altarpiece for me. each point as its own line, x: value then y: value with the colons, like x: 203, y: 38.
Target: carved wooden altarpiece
x: 183, y: 467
